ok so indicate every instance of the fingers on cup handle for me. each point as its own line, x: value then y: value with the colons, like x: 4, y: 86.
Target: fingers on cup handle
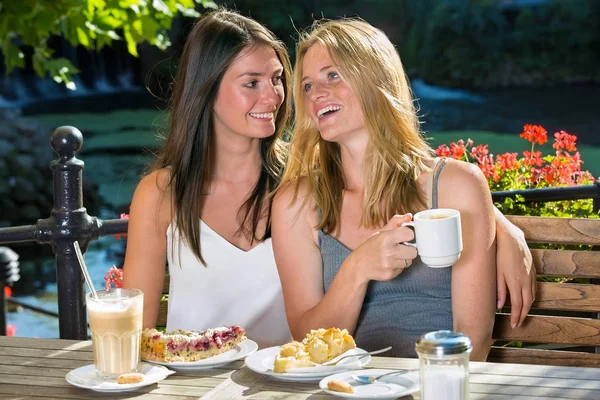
x: 398, y: 220
x: 412, y: 225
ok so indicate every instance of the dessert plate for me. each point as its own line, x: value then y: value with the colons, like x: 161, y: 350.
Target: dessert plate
x: 262, y: 362
x: 389, y: 387
x: 85, y: 377
x: 240, y: 351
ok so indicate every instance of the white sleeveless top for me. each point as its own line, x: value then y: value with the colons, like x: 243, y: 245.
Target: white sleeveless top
x: 235, y: 288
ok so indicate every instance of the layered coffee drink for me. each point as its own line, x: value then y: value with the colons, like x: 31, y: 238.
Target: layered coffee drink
x: 116, y: 327
x: 437, y: 216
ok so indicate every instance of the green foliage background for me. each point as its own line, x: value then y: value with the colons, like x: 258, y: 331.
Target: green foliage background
x: 470, y: 43
x: 92, y: 24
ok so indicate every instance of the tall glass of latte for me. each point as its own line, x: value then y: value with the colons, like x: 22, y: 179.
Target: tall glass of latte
x: 116, y: 327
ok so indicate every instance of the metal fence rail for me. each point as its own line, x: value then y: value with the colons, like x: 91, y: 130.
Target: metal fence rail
x: 69, y: 222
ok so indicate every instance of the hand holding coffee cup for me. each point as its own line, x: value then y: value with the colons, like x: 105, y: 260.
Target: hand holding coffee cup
x: 380, y: 258
x: 438, y: 236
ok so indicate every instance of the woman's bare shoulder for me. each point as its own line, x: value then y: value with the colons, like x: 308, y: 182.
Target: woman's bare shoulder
x: 157, y: 181
x: 293, y: 193
x: 153, y: 194
x: 462, y: 183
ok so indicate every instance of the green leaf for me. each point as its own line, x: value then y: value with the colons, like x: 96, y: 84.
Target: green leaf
x: 188, y: 12
x: 82, y: 37
x: 131, y: 42
x: 159, y: 5
x: 13, y: 56
x: 150, y: 28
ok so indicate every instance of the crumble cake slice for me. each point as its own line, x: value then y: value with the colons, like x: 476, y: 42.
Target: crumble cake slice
x: 188, y: 346
x: 319, y: 346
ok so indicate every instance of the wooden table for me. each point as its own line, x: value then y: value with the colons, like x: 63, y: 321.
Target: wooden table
x: 36, y: 369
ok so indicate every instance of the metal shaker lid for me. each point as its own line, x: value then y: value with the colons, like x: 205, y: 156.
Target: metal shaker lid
x: 441, y: 343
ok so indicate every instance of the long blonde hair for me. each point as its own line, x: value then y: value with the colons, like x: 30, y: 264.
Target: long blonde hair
x: 396, y: 154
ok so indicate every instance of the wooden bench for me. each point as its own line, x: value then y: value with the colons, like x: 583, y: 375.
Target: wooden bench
x: 563, y: 314
x: 161, y: 320
x: 554, y: 300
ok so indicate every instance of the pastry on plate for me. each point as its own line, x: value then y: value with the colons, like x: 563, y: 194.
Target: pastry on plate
x: 131, y: 377
x: 318, y: 346
x: 188, y: 346
x: 340, y: 387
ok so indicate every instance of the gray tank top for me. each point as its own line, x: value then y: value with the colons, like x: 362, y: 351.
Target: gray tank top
x: 397, y: 312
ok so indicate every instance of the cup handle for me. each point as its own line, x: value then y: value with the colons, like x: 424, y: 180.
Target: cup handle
x: 412, y: 225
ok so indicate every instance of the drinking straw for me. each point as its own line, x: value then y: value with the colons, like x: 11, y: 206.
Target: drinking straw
x: 86, y: 274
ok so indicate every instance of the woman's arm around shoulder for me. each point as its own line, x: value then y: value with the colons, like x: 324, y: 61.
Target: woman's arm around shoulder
x: 462, y: 186
x: 145, y: 259
x: 515, y: 269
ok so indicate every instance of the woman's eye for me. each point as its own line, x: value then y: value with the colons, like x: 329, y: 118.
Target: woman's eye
x: 278, y: 80
x: 333, y: 75
x: 251, y: 84
x: 307, y: 86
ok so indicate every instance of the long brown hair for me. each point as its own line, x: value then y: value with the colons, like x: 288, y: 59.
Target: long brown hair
x: 396, y: 154
x: 212, y: 45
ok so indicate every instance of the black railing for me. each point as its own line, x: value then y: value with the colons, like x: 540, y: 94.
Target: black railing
x: 69, y: 222
x: 554, y: 194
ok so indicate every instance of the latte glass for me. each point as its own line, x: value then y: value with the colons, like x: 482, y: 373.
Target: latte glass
x: 116, y: 326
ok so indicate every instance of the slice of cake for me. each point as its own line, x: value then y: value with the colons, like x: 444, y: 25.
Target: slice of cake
x: 291, y: 355
x: 319, y: 346
x: 326, y: 344
x: 188, y: 346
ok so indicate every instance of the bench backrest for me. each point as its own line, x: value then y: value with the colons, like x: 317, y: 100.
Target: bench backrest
x: 161, y: 320
x: 564, y: 315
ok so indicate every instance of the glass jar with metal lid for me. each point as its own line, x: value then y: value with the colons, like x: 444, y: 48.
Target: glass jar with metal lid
x: 444, y: 365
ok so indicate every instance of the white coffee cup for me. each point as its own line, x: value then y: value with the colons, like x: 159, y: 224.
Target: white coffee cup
x: 438, y: 236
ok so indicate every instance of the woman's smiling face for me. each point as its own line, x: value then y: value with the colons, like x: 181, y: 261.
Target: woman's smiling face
x: 328, y: 99
x: 250, y: 94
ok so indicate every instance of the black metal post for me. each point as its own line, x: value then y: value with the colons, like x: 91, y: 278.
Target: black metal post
x: 68, y: 222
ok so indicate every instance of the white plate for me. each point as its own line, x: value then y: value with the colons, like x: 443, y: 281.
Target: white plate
x: 240, y: 351
x: 86, y: 377
x: 390, y: 387
x: 262, y: 362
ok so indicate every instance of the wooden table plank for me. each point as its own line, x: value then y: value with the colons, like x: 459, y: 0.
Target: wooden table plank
x: 43, y: 362
x: 46, y: 353
x: 9, y: 391
x: 35, y: 368
x: 36, y: 343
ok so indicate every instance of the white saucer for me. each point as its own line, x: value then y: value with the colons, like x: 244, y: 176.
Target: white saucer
x: 240, y: 351
x: 86, y: 377
x: 390, y: 387
x: 262, y: 362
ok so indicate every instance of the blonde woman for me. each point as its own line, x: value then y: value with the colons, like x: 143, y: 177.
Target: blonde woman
x: 358, y: 167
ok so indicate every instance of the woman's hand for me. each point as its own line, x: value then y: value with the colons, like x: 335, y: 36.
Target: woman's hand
x: 383, y: 256
x: 515, y: 271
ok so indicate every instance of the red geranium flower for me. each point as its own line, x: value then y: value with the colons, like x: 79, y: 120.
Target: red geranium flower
x: 534, y: 134
x: 562, y: 140
x: 507, y: 161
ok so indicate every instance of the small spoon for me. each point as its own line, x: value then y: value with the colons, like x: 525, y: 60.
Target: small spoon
x: 374, y: 379
x: 337, y: 360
